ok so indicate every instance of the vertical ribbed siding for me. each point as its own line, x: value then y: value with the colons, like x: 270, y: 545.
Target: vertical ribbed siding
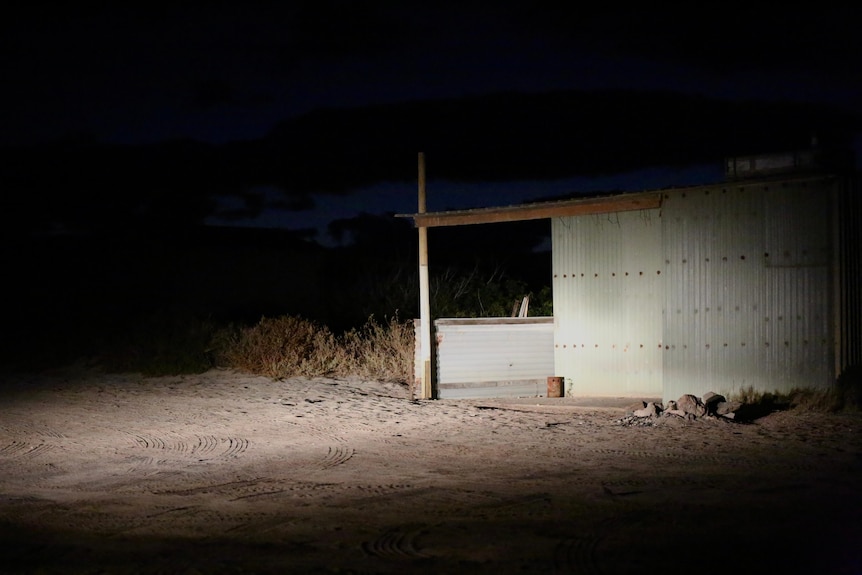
x: 494, y: 357
x: 747, y: 288
x: 607, y: 286
x: 850, y: 277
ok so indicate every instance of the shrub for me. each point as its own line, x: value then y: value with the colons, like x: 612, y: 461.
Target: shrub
x: 284, y: 346
x: 486, y: 291
x: 380, y: 351
x: 290, y: 346
x: 843, y: 396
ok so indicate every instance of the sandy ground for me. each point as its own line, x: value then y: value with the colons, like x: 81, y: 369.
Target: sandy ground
x: 229, y: 473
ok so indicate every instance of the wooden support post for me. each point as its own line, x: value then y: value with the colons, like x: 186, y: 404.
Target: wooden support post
x: 424, y: 291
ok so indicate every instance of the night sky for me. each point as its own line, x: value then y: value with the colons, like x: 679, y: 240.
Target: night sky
x: 289, y: 113
x: 224, y: 71
x: 126, y: 126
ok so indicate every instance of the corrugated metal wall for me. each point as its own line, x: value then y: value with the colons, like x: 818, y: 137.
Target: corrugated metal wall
x: 608, y: 298
x: 494, y: 357
x: 850, y: 283
x: 748, y: 279
x: 726, y: 287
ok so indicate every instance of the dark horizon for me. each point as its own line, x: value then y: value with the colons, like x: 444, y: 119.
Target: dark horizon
x: 486, y: 143
x: 250, y: 114
x: 127, y: 134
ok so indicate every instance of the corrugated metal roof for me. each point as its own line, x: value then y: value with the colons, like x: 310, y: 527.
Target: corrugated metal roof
x: 585, y: 205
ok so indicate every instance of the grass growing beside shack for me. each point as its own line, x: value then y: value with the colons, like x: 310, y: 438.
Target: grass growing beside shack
x: 289, y: 346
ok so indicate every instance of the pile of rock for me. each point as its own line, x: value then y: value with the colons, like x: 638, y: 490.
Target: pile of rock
x: 688, y: 407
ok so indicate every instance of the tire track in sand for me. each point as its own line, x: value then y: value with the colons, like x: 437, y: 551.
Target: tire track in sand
x: 24, y: 449
x: 337, y: 451
x: 198, y: 447
x: 396, y: 543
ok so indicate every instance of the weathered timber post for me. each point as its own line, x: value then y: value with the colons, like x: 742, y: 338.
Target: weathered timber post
x: 424, y: 291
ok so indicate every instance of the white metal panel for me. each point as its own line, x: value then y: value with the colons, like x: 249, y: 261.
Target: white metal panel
x: 494, y: 357
x: 747, y: 288
x: 607, y: 286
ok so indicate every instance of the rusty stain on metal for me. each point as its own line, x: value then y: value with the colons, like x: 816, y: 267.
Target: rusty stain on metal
x: 555, y: 386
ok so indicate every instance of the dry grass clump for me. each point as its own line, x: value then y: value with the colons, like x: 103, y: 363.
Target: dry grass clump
x: 290, y: 346
x: 844, y: 396
x: 282, y: 347
x: 380, y: 351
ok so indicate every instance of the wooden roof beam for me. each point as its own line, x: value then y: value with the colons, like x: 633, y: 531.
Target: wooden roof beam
x: 576, y: 207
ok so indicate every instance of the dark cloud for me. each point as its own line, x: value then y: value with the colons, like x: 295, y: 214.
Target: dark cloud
x: 505, y: 137
x: 212, y: 93
x: 758, y: 38
x: 125, y: 126
x: 544, y: 136
x: 151, y: 112
x: 140, y: 72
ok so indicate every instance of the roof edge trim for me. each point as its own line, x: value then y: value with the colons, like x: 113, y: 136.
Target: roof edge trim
x: 574, y: 207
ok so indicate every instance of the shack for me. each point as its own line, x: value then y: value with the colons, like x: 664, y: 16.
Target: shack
x: 752, y: 283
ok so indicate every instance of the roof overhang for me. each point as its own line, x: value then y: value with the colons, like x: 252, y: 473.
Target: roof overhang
x: 537, y: 211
